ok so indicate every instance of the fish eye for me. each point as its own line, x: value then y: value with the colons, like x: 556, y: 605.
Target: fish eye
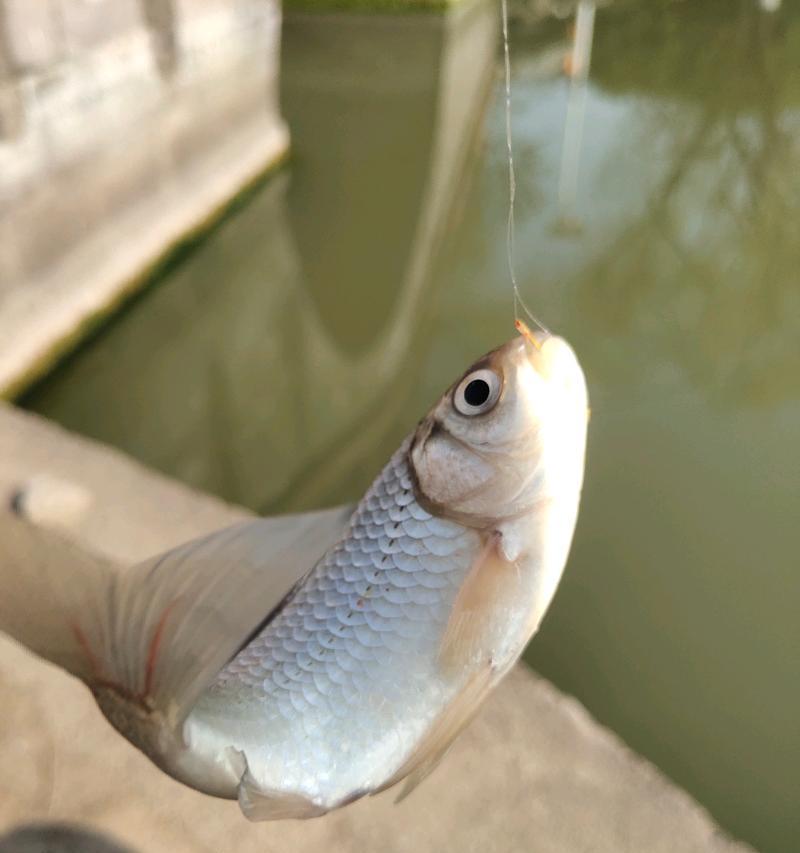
x: 477, y: 392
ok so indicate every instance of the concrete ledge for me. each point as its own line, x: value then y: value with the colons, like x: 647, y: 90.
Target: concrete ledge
x: 534, y: 772
x: 123, y: 131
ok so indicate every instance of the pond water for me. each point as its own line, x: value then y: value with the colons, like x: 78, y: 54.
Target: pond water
x: 281, y: 361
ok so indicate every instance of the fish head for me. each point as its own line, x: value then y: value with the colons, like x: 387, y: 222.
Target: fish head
x: 511, y: 432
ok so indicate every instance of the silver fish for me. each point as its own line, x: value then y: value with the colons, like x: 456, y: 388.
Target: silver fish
x: 298, y: 664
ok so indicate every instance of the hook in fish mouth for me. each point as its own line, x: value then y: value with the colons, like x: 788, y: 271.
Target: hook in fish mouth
x: 526, y: 333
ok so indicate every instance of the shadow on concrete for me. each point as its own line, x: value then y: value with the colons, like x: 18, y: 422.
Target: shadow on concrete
x: 11, y: 119
x: 58, y: 838
x: 160, y: 19
x: 6, y: 56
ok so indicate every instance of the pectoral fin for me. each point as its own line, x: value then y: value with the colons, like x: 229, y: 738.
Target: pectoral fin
x: 466, y: 637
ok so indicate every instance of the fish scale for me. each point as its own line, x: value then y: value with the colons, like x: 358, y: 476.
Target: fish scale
x: 347, y: 659
x: 387, y: 575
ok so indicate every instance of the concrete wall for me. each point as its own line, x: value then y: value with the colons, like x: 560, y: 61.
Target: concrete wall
x: 124, y: 124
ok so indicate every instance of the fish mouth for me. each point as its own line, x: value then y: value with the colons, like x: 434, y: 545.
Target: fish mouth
x: 556, y: 363
x: 551, y: 356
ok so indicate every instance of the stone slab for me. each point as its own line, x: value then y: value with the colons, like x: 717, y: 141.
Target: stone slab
x: 31, y: 34
x: 534, y: 772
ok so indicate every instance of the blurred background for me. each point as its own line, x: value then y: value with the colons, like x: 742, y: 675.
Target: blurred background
x: 279, y: 361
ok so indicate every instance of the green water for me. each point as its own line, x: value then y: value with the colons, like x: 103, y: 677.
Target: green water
x: 283, y: 361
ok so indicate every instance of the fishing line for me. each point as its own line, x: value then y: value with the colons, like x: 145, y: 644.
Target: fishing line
x: 512, y: 187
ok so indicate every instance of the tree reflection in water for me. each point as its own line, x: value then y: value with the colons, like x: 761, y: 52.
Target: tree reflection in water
x: 713, y: 254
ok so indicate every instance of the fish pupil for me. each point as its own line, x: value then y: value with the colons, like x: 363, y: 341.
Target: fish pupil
x: 477, y: 392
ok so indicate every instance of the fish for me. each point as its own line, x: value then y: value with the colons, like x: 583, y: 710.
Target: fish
x: 300, y: 663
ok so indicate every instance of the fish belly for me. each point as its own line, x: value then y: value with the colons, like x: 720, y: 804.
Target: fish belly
x: 333, y: 694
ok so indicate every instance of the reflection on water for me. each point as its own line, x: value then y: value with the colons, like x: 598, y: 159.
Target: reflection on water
x: 347, y: 122
x: 577, y: 64
x: 676, y: 622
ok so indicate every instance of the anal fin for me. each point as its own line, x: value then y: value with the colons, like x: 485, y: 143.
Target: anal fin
x: 259, y: 803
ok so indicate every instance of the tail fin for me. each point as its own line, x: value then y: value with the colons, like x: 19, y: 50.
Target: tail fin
x: 159, y: 632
